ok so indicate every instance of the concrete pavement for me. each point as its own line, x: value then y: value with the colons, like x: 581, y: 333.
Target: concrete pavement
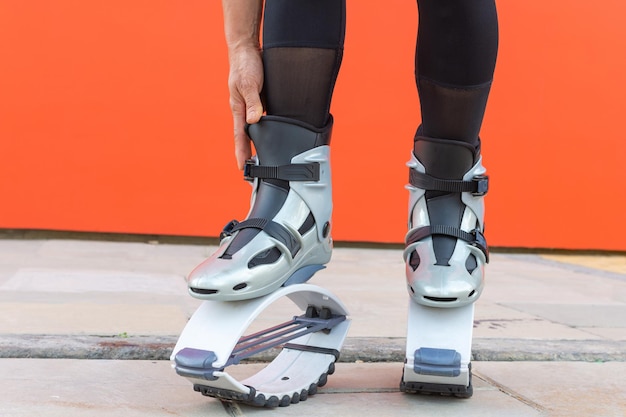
x: 549, y: 336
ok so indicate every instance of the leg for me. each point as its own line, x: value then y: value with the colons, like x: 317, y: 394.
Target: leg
x: 445, y: 248
x: 302, y: 52
x: 455, y: 59
x: 288, y: 225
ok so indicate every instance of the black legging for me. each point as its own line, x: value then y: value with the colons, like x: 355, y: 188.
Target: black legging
x: 454, y: 61
x: 302, y: 51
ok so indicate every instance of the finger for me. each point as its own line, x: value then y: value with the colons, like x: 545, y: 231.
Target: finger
x: 254, y: 108
x: 249, y: 93
x: 243, y: 150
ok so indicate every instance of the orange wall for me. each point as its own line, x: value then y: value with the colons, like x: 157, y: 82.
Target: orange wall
x: 114, y: 117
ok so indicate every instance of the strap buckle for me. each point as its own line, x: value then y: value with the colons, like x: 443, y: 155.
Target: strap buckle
x: 228, y: 229
x: 482, y: 185
x: 247, y: 168
x: 480, y: 242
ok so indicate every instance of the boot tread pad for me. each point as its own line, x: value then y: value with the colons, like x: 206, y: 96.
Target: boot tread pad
x: 259, y: 399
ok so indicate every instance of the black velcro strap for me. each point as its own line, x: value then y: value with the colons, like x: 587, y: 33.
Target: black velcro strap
x: 292, y: 172
x: 254, y: 223
x: 282, y: 234
x: 475, y: 237
x: 478, y: 186
x: 273, y: 229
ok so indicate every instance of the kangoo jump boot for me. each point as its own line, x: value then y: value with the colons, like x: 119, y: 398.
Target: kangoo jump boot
x: 286, y: 237
x: 445, y: 247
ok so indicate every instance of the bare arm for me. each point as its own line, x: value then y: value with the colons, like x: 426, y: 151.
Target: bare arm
x: 242, y: 20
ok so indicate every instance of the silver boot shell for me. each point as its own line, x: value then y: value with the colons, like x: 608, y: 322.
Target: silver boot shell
x: 450, y: 285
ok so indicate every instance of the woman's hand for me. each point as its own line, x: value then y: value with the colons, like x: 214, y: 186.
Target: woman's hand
x: 245, y: 81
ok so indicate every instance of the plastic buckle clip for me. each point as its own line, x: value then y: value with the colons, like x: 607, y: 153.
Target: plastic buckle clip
x: 480, y: 242
x: 482, y: 185
x: 247, y: 170
x: 228, y: 229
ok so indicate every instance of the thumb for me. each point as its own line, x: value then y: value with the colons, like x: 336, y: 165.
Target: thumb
x: 254, y: 108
